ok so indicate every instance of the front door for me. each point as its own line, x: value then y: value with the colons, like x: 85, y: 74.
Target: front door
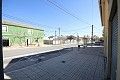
x: 28, y: 42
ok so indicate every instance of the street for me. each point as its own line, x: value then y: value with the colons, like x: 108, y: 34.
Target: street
x: 15, y: 53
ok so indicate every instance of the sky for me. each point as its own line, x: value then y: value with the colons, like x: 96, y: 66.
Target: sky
x: 71, y: 16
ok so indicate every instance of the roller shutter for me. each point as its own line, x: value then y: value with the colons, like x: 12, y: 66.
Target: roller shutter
x: 114, y: 46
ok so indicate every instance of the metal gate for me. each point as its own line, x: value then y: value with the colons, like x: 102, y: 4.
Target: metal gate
x: 114, y: 46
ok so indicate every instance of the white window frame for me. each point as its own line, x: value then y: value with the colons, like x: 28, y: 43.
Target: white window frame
x: 6, y: 28
x: 30, y: 31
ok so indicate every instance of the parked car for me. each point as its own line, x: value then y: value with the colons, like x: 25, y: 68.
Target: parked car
x: 97, y: 43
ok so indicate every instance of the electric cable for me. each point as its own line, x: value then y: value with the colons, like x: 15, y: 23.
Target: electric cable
x: 27, y: 21
x: 67, y: 12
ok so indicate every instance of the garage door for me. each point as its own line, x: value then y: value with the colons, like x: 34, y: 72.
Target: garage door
x: 114, y: 46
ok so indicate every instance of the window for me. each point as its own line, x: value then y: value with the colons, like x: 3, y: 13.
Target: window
x: 4, y: 28
x: 30, y: 31
x: 36, y: 40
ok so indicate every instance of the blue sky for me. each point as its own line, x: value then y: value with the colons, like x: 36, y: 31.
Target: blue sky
x: 49, y: 17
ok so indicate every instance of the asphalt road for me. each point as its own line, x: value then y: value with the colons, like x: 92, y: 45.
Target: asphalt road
x: 15, y: 53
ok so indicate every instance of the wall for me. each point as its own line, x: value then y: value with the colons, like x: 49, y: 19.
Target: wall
x: 112, y: 7
x: 103, y: 4
x: 118, y: 58
x: 14, y: 31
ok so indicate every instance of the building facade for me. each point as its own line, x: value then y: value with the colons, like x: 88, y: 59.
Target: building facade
x: 14, y: 34
x: 110, y: 18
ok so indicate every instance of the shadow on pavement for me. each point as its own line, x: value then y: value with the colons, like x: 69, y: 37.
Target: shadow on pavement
x: 22, y: 62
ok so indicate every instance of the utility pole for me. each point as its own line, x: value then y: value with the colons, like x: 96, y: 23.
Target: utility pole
x: 84, y: 39
x: 59, y: 35
x: 55, y: 37
x: 77, y: 39
x: 92, y: 37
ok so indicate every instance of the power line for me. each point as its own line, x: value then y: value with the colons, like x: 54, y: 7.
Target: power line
x: 34, y: 23
x: 49, y: 31
x: 97, y: 28
x: 26, y: 21
x: 71, y: 30
x: 65, y: 8
x: 76, y: 29
x: 83, y: 32
x: 67, y: 12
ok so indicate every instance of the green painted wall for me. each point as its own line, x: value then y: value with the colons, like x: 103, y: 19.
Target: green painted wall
x: 15, y: 31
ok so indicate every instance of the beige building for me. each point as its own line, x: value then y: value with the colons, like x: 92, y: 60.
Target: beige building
x: 110, y: 18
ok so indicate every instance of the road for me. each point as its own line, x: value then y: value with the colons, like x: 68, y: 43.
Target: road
x: 15, y: 53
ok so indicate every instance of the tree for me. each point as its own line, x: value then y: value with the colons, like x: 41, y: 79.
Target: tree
x: 101, y: 39
x: 49, y: 38
x: 71, y: 37
x: 95, y: 38
x: 88, y: 38
x: 20, y: 35
x: 39, y: 36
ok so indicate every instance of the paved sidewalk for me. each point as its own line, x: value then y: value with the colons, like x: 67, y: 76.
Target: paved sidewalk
x: 85, y: 64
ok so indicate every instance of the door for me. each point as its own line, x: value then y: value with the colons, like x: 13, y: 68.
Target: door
x: 114, y: 47
x: 28, y: 42
x: 5, y: 42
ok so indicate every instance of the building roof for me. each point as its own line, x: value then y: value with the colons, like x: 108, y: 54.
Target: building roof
x: 18, y: 24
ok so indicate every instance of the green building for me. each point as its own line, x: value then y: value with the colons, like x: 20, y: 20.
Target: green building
x: 15, y: 34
